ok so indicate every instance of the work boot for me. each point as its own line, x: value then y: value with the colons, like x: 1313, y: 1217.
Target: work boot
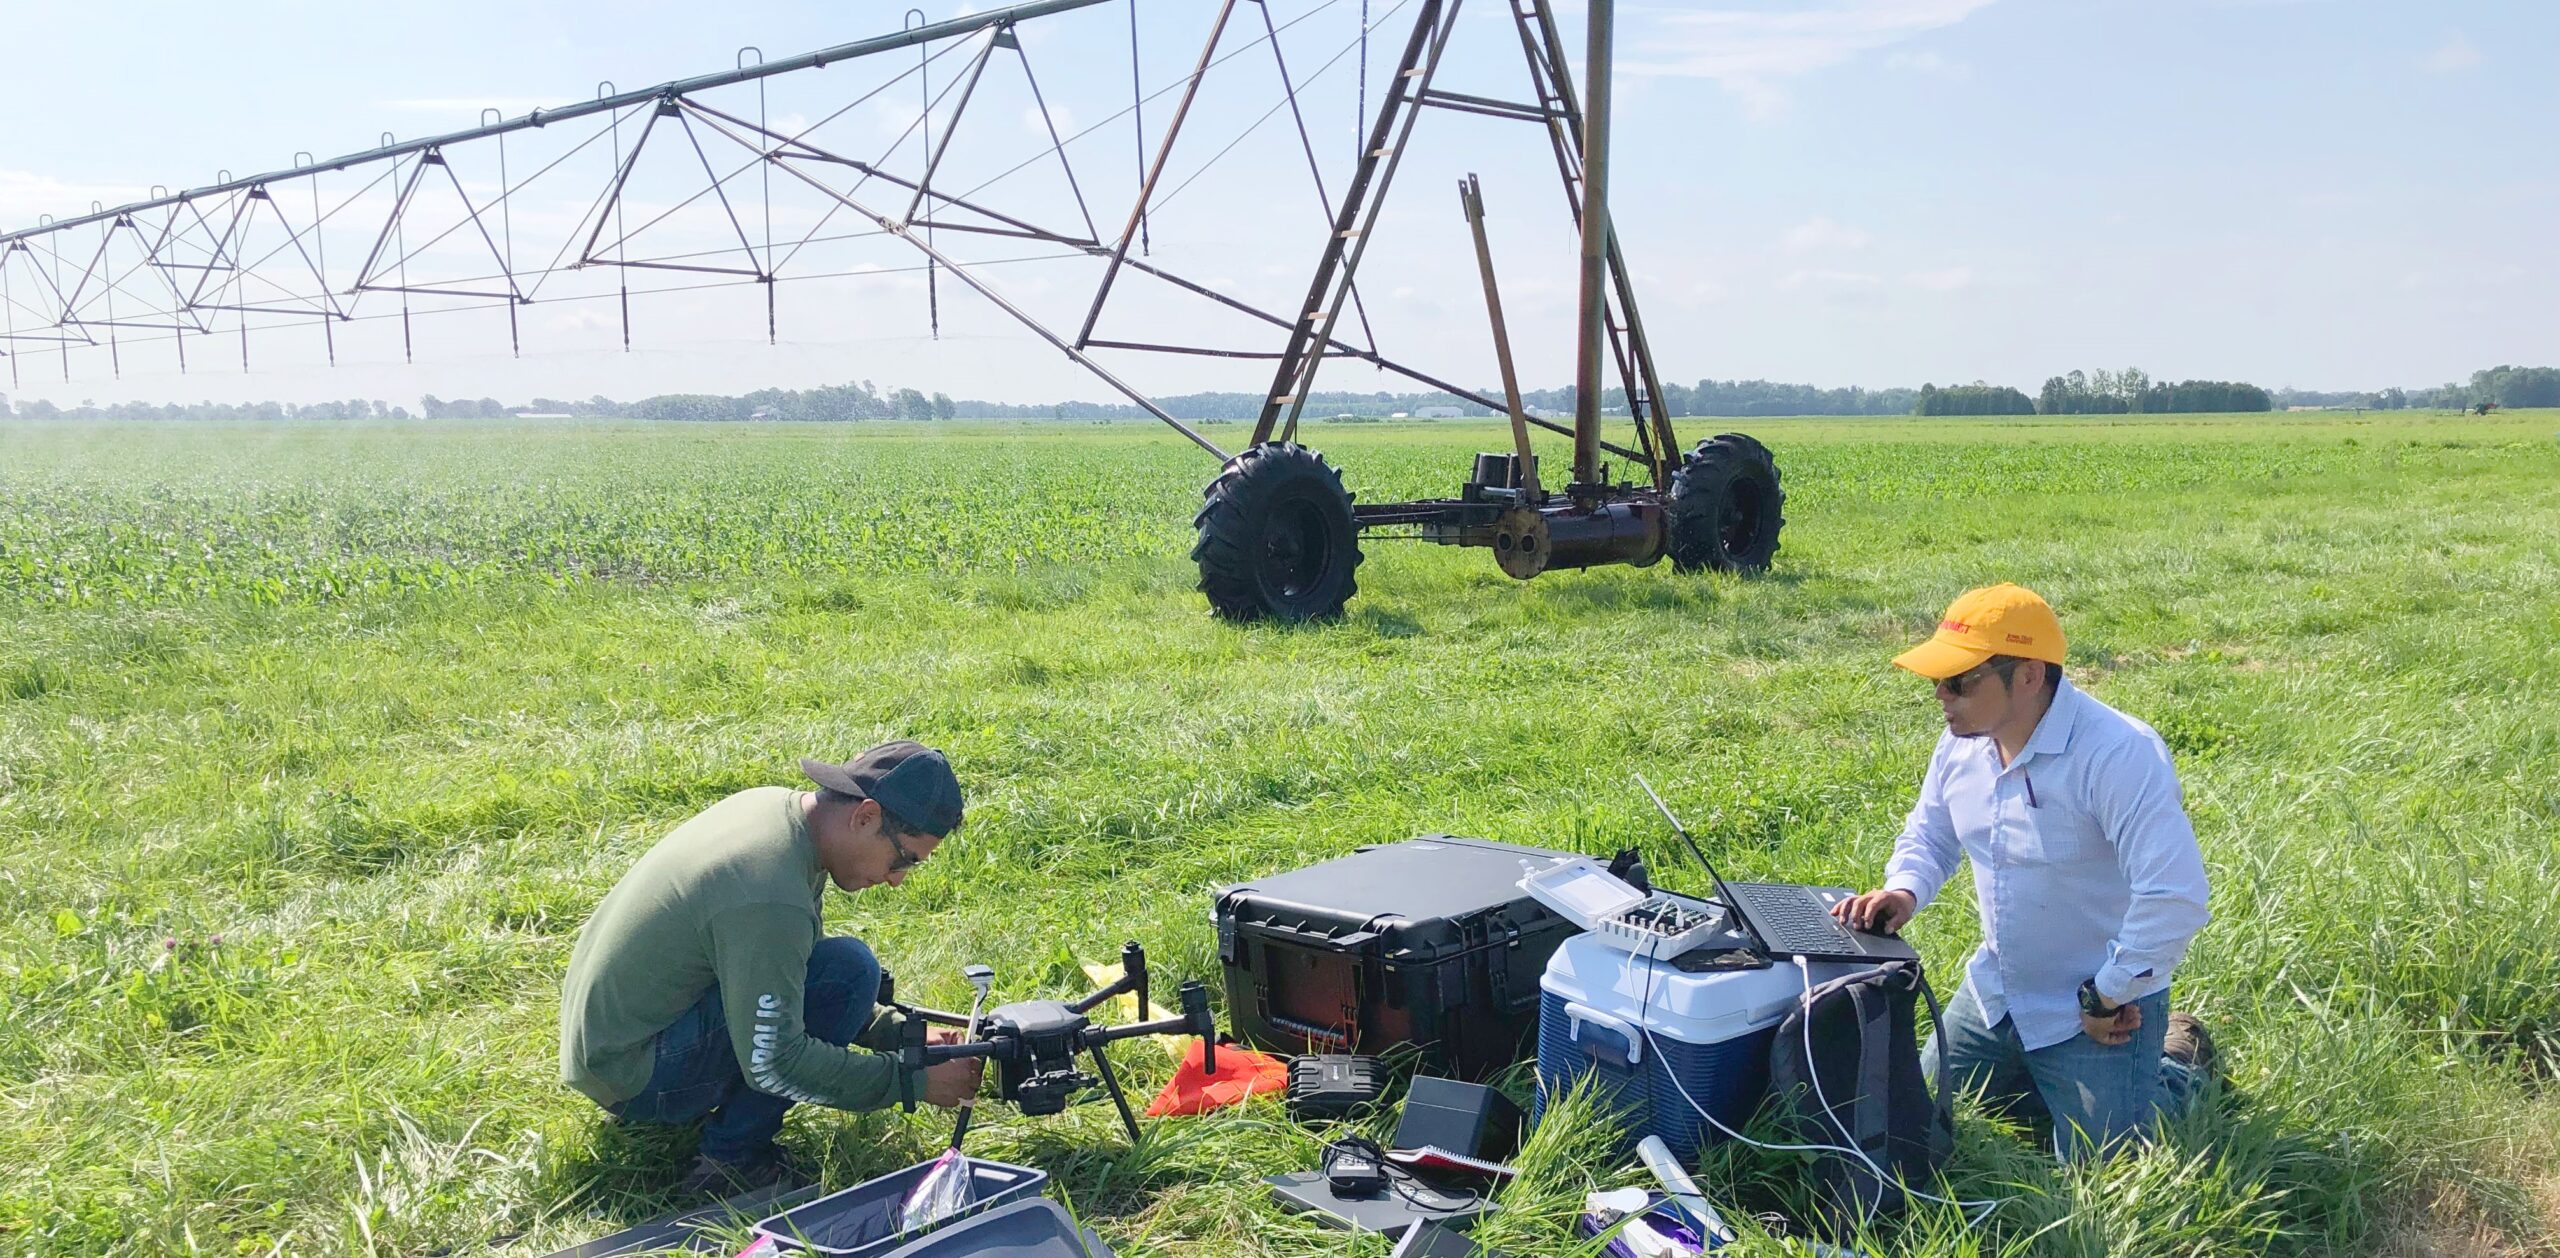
x: 711, y: 1177
x: 2190, y: 1045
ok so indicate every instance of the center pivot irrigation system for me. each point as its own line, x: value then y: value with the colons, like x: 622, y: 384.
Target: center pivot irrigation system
x: 1278, y: 536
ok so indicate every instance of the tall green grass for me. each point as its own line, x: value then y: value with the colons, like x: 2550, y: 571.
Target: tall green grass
x: 316, y: 745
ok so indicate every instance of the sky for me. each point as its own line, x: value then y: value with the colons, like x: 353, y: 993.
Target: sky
x: 2331, y: 194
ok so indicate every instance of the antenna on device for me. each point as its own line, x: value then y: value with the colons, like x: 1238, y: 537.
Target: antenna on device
x: 1676, y: 827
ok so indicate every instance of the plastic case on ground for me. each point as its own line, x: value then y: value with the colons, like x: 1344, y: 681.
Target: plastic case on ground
x: 1428, y: 942
x: 863, y: 1220
x: 1036, y: 1228
x: 1646, y: 1030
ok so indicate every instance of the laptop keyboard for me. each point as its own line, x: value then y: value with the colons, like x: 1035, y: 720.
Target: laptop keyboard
x: 1795, y: 920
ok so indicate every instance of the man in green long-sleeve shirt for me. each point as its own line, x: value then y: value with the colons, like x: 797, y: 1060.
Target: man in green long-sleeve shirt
x: 702, y: 988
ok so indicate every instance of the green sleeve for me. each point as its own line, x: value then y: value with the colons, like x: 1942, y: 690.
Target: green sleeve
x: 760, y: 953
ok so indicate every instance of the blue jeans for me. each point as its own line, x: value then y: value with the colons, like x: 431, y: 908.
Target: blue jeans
x: 2093, y: 1094
x: 697, y: 1074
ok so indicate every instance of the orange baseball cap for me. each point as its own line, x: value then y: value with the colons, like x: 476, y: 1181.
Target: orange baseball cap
x: 1999, y: 619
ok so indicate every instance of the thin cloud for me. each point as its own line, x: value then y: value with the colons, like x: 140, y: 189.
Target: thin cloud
x: 1928, y: 62
x: 24, y: 195
x: 1059, y: 116
x: 1748, y: 51
x: 576, y: 319
x: 1821, y: 280
x: 1821, y: 235
x: 1943, y: 280
x: 1761, y: 99
x: 2456, y: 53
x: 1700, y: 292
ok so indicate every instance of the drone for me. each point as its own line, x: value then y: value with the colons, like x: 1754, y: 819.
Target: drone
x: 1035, y: 1043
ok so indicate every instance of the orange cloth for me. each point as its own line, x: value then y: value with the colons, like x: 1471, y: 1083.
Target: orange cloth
x: 1241, y: 1073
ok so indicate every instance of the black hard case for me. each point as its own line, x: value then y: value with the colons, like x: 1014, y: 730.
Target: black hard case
x: 1429, y: 942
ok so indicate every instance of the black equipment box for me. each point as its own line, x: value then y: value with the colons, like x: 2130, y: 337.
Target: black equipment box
x: 1332, y: 1085
x: 1467, y: 1119
x: 1429, y: 942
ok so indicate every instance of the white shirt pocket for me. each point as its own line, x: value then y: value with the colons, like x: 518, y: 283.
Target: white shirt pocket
x: 2044, y: 831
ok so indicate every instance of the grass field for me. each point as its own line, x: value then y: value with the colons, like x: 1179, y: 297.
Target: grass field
x: 317, y: 743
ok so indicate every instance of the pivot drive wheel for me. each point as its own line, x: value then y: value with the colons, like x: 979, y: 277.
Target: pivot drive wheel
x: 1724, y: 507
x: 1276, y: 540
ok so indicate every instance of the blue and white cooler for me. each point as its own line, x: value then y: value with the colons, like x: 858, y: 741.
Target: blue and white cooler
x: 1663, y: 1042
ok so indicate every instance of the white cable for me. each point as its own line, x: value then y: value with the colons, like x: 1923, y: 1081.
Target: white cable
x: 1805, y: 972
x: 1644, y: 1009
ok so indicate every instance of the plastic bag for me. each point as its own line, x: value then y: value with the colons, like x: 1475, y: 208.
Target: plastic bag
x: 945, y: 1190
x: 1647, y: 1225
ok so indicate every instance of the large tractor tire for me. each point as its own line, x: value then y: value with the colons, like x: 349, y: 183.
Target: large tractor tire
x: 1725, y: 505
x: 1276, y: 538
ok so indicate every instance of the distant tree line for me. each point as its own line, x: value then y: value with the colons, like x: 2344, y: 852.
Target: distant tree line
x: 860, y: 400
x: 1763, y: 397
x: 2498, y: 386
x: 1976, y: 398
x: 2099, y: 392
x: 2132, y: 392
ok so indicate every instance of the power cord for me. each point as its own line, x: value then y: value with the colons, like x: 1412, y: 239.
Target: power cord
x: 1355, y: 1166
x: 1644, y: 1010
x: 1805, y: 973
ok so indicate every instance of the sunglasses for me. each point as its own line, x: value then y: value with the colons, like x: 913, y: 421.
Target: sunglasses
x: 904, y: 858
x: 1957, y: 685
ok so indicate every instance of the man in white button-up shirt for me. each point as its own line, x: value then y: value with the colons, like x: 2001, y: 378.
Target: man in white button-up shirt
x: 2085, y: 870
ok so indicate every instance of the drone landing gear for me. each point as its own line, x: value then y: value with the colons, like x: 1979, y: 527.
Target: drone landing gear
x: 1111, y: 1084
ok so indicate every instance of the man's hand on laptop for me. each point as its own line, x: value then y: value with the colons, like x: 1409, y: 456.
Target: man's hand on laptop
x: 1877, y: 912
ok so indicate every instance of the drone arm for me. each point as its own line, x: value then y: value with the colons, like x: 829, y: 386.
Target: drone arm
x: 1124, y: 983
x: 936, y: 1054
x: 919, y: 1013
x: 888, y: 999
x: 1132, y: 1030
x: 1133, y: 978
x: 1195, y: 1019
x: 1087, y: 1004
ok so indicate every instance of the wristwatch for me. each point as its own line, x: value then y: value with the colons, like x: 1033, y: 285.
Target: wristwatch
x: 2093, y: 1004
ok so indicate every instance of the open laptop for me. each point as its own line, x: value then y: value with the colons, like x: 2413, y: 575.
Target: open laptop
x: 1788, y: 919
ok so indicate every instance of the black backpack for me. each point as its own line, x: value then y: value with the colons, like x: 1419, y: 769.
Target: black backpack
x: 1863, y: 1051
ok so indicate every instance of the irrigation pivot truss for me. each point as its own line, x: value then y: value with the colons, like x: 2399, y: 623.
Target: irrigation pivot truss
x: 698, y: 185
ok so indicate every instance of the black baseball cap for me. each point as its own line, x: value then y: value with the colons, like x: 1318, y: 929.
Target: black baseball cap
x: 912, y: 781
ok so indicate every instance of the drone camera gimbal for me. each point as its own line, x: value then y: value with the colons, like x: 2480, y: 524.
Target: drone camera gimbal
x: 1035, y: 1043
